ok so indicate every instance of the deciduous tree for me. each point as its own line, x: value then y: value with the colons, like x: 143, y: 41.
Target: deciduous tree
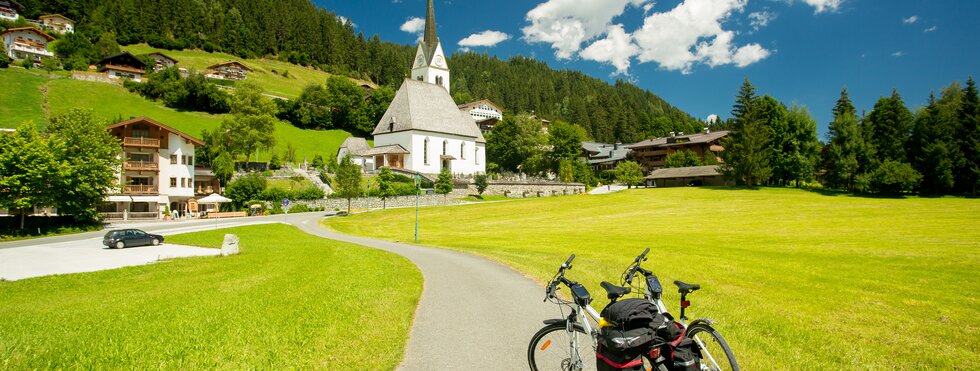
x: 629, y: 173
x: 29, y: 170
x: 386, y: 188
x: 348, y: 182
x: 85, y: 180
x: 444, y: 184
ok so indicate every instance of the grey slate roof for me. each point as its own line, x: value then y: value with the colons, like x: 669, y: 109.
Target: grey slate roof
x: 394, y: 149
x: 603, y: 152
x: 427, y: 107
x: 684, y: 172
x: 356, y: 146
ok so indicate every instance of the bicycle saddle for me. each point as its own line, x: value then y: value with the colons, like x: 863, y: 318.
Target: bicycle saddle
x: 614, y: 292
x: 686, y: 288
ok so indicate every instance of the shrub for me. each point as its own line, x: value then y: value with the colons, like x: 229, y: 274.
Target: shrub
x: 246, y: 188
x: 481, y: 183
x: 308, y: 193
x: 274, y: 194
x: 893, y: 178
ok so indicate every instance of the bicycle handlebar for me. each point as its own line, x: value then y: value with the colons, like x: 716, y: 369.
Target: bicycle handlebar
x: 559, y: 278
x: 631, y: 271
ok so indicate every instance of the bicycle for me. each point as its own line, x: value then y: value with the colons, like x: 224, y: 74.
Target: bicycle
x: 708, y: 339
x: 543, y: 353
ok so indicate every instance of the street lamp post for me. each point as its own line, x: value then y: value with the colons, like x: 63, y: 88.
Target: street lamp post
x: 418, y: 189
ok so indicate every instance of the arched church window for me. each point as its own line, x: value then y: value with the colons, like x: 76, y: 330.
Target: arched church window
x: 425, y: 151
x: 462, y: 151
x: 439, y: 80
x: 445, y: 147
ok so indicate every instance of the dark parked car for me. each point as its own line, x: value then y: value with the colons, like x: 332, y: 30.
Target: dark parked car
x: 121, y: 238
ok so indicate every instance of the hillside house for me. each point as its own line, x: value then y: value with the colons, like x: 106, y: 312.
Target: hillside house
x: 157, y: 171
x: 652, y: 154
x: 123, y: 66
x: 485, y: 112
x: 231, y: 70
x: 57, y: 23
x: 26, y: 43
x: 603, y: 156
x: 163, y: 61
x: 357, y: 149
x: 8, y: 12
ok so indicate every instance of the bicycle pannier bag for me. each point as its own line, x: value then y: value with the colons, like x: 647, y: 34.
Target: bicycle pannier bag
x: 631, y: 313
x: 685, y: 356
x: 607, y: 360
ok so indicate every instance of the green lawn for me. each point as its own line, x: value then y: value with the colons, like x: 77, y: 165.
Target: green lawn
x: 288, y: 301
x: 21, y: 99
x: 290, y: 184
x: 796, y: 280
x: 273, y: 82
x: 116, y: 103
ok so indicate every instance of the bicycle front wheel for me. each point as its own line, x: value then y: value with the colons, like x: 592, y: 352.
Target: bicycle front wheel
x: 551, y: 349
x: 715, y: 353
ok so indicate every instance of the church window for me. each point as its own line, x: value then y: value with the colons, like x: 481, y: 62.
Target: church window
x: 445, y: 147
x: 462, y: 151
x: 439, y: 80
x: 476, y: 155
x: 425, y: 152
x: 420, y: 78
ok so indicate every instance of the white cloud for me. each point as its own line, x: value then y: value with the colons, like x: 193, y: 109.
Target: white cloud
x: 712, y: 118
x: 616, y: 49
x: 413, y: 25
x: 930, y: 29
x: 346, y: 20
x: 668, y: 38
x: 898, y: 54
x: 761, y: 19
x: 485, y: 38
x: 567, y: 24
x: 824, y: 5
x: 910, y: 20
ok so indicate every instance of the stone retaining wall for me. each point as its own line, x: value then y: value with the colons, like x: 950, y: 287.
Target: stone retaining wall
x: 509, y: 189
x: 95, y: 77
x: 526, y: 190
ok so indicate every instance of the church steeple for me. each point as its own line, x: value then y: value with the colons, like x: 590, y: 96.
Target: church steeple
x: 430, y: 60
x: 431, y: 39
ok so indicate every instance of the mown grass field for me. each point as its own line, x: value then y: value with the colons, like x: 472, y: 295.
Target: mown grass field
x: 288, y: 301
x: 116, y: 103
x: 289, y: 86
x: 796, y: 280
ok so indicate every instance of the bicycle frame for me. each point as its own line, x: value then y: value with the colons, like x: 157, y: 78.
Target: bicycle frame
x: 581, y: 310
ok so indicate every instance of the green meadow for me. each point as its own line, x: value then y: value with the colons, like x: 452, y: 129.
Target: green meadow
x: 288, y: 301
x: 116, y: 103
x: 795, y: 279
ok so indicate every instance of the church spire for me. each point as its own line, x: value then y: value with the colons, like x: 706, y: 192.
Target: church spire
x: 430, y: 26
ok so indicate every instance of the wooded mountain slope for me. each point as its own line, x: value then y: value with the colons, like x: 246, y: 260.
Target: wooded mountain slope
x: 299, y: 32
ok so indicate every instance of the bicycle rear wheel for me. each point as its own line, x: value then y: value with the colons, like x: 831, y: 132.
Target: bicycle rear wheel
x: 550, y: 349
x: 715, y: 353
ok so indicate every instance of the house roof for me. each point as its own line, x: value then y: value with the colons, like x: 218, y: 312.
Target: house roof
x: 122, y: 68
x: 37, y: 31
x: 356, y: 146
x: 43, y: 17
x: 603, y: 152
x: 684, y: 172
x: 239, y: 64
x: 394, y: 149
x: 689, y: 139
x: 475, y: 104
x: 426, y: 107
x: 159, y: 124
x: 164, y: 55
x: 123, y: 59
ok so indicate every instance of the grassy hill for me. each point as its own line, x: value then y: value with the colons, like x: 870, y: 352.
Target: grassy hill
x: 795, y: 279
x: 266, y: 72
x: 114, y: 103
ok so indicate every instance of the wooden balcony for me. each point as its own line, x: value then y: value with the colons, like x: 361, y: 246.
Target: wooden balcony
x: 141, y: 142
x: 141, y: 166
x: 140, y: 190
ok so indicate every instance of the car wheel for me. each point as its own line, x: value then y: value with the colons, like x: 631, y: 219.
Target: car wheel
x: 120, y: 244
x: 155, y: 242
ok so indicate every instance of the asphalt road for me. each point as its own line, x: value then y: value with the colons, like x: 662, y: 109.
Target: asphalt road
x: 475, y: 314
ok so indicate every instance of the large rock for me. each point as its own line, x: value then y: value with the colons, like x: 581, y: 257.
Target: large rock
x: 230, y: 246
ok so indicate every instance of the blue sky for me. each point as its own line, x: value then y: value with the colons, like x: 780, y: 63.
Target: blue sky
x: 695, y: 53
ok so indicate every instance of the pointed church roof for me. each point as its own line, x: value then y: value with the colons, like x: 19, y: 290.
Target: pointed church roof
x: 430, y: 42
x: 426, y: 107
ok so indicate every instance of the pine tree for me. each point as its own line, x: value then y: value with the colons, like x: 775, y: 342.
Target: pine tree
x: 743, y: 110
x: 844, y: 105
x: 890, y: 124
x: 931, y: 147
x: 747, y: 150
x: 798, y: 159
x: 846, y: 143
x: 968, y: 137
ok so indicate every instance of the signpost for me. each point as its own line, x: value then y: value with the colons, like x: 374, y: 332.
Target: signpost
x: 285, y: 205
x: 418, y: 188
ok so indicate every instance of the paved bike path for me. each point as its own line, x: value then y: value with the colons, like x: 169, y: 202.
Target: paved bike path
x: 474, y: 314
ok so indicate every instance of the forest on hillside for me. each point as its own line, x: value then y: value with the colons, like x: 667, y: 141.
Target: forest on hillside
x: 298, y: 32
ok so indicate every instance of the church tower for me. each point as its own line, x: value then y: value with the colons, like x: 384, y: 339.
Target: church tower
x: 430, y: 61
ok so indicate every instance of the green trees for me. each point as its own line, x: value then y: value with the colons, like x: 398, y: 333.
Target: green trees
x: 747, y: 154
x: 246, y: 188
x: 968, y: 140
x: 566, y: 142
x: 797, y: 149
x: 193, y: 93
x: 83, y: 180
x: 252, y: 125
x: 386, y: 188
x: 348, y: 181
x: 29, y: 170
x: 517, y: 143
x: 629, y: 173
x: 480, y: 180
x: 846, y: 145
x: 890, y: 124
x: 444, y: 184
x: 340, y: 104
x: 683, y: 159
x: 932, y: 146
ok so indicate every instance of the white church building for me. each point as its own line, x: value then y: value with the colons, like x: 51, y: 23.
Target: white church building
x: 423, y: 130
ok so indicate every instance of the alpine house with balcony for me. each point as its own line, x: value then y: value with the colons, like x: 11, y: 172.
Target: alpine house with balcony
x: 26, y: 43
x: 157, y: 170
